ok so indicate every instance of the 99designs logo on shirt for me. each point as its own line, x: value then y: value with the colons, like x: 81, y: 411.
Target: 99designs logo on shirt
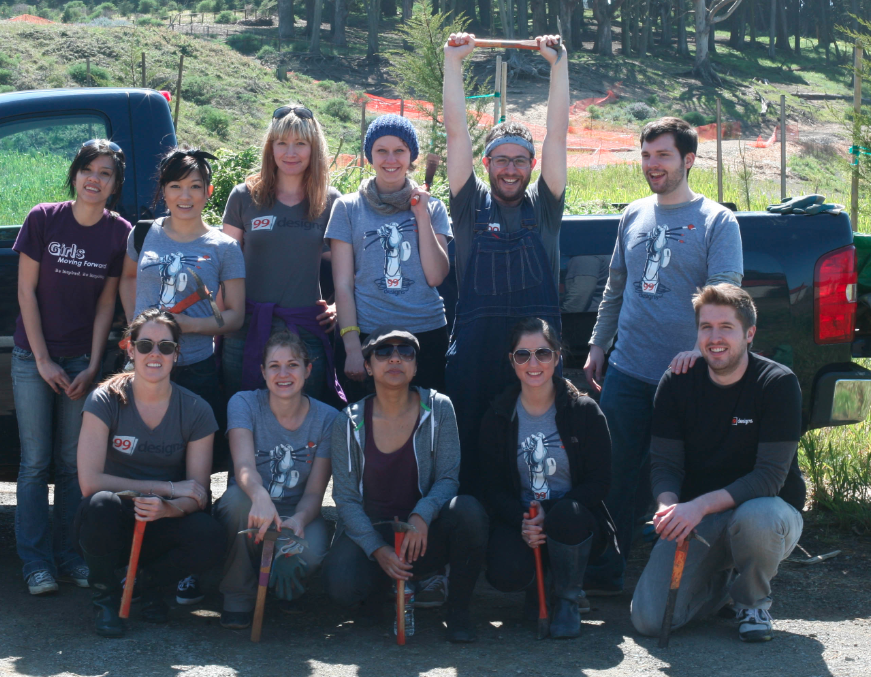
x: 124, y: 444
x: 741, y: 421
x: 262, y: 223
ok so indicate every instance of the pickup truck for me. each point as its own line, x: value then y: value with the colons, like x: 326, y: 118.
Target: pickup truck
x: 800, y: 270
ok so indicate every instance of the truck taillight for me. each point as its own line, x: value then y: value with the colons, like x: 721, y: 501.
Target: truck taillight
x: 166, y: 95
x: 835, y: 279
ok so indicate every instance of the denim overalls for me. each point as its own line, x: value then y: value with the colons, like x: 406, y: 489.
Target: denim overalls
x: 508, y: 277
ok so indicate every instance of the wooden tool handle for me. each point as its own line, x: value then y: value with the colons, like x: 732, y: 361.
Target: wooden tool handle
x: 138, y: 533
x: 539, y: 573
x: 400, y: 594
x: 501, y: 44
x: 680, y: 558
x: 262, y: 585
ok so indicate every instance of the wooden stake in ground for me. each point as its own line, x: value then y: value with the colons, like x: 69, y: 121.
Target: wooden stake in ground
x: 504, y: 95
x: 497, y: 89
x: 782, y: 147
x: 88, y: 65
x: 143, y: 70
x: 362, y: 132
x: 857, y: 107
x: 719, y: 153
x: 178, y: 92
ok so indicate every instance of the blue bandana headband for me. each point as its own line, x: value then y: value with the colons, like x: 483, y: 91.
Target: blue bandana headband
x: 519, y: 140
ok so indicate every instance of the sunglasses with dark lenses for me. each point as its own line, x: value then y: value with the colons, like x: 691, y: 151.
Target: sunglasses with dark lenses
x: 299, y: 111
x: 114, y: 147
x: 145, y: 346
x: 383, y: 353
x: 543, y: 355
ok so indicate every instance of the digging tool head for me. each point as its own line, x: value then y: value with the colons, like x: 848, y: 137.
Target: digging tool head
x: 695, y: 535
x: 130, y: 494
x: 398, y: 527
x: 285, y: 534
x: 559, y: 27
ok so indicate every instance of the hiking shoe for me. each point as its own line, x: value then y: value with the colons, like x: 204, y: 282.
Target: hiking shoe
x: 137, y: 589
x: 461, y: 629
x: 188, y: 591
x: 754, y: 625
x: 41, y: 583
x: 77, y: 575
x: 236, y: 620
x: 431, y: 592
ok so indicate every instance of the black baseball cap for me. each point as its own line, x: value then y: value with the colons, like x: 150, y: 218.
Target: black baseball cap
x: 386, y: 333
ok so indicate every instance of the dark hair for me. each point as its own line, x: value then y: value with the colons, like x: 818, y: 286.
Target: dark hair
x: 116, y: 384
x: 86, y: 155
x: 534, y: 325
x: 725, y: 294
x: 508, y: 129
x: 178, y: 163
x: 686, y: 139
x: 285, y: 339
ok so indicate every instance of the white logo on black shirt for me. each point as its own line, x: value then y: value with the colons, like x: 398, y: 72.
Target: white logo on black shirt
x: 741, y: 421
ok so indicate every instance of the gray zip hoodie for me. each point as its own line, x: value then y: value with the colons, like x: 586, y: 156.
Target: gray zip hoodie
x: 436, y: 448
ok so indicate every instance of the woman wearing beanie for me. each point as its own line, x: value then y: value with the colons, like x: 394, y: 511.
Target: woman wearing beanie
x: 389, y: 255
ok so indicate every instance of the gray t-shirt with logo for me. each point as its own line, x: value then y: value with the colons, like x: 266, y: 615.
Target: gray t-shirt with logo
x: 541, y: 457
x: 136, y: 451
x: 164, y: 277
x: 390, y: 286
x: 284, y: 457
x: 665, y: 253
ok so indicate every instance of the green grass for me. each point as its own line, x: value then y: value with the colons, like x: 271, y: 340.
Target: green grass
x: 29, y: 180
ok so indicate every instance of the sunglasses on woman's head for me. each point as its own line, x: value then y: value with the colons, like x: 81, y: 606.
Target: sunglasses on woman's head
x: 543, y: 355
x: 383, y: 353
x: 145, y: 346
x: 114, y: 147
x: 299, y: 111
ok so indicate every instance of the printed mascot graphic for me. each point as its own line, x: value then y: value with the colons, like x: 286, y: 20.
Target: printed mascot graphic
x: 658, y: 257
x: 173, y: 279
x: 534, y: 451
x: 281, y: 461
x: 396, y: 250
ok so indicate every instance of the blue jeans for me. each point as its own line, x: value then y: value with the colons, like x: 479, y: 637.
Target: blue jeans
x: 48, y: 426
x: 202, y: 379
x: 627, y: 403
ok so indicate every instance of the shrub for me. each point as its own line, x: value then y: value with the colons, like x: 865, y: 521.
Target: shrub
x: 72, y: 15
x: 147, y: 21
x: 266, y: 51
x: 246, y: 43
x: 79, y: 73
x: 6, y: 88
x: 205, y: 6
x: 103, y: 22
x: 219, y: 6
x: 339, y: 109
x: 653, y: 100
x: 107, y: 9
x: 201, y: 90
x: 5, y: 76
x: 694, y: 117
x: 147, y: 6
x: 640, y: 110
x: 125, y: 8
x: 225, y: 17
x: 230, y: 170
x: 594, y: 111
x: 214, y: 120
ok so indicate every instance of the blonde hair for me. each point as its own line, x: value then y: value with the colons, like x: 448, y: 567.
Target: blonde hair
x: 263, y: 183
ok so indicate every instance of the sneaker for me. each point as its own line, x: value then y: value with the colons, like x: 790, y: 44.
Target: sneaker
x: 236, y: 620
x: 461, y: 629
x: 137, y: 589
x: 605, y: 590
x: 431, y: 592
x: 754, y: 625
x: 188, y: 591
x: 77, y: 575
x: 41, y: 583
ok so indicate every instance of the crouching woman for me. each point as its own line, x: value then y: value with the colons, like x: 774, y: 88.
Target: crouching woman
x: 280, y: 443
x: 141, y: 432
x: 545, y: 445
x: 397, y: 454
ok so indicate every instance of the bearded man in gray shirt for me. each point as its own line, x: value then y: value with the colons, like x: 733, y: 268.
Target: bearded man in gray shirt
x: 668, y: 245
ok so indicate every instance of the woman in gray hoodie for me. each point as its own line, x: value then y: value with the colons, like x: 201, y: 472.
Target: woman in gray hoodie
x: 397, y: 454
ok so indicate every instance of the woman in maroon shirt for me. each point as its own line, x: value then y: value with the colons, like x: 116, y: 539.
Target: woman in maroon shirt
x: 70, y: 258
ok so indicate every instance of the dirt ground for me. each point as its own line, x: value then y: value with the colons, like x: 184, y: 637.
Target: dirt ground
x: 822, y: 619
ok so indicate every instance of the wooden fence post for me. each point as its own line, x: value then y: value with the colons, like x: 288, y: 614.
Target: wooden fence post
x: 88, y: 62
x: 504, y: 95
x: 719, y: 153
x: 857, y: 131
x: 497, y: 89
x: 363, y: 132
x: 143, y: 70
x: 782, y: 147
x: 178, y: 91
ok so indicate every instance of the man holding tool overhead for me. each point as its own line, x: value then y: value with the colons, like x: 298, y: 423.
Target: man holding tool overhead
x: 506, y: 237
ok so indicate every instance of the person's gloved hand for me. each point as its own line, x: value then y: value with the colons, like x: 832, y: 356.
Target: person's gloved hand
x: 288, y: 575
x: 794, y: 204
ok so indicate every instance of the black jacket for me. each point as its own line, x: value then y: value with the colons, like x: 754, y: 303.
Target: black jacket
x: 584, y: 432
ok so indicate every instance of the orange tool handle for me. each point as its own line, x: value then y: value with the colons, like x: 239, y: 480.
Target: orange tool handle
x: 502, y: 44
x: 138, y: 533
x: 539, y: 573
x: 400, y: 594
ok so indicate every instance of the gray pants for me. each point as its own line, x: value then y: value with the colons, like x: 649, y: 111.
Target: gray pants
x: 241, y: 568
x: 747, y: 545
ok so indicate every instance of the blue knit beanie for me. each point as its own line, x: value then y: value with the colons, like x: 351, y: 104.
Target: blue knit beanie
x: 391, y: 125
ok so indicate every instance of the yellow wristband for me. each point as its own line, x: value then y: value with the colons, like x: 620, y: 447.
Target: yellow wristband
x: 347, y: 329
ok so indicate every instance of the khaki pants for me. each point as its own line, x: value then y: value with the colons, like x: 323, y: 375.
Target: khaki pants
x: 241, y: 568
x: 747, y: 545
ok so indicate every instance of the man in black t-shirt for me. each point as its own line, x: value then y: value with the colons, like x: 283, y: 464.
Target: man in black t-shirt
x: 723, y: 448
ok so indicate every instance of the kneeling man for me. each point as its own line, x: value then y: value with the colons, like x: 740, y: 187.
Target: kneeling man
x: 723, y: 450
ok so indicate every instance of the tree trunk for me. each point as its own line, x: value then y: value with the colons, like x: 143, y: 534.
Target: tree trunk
x: 683, y: 48
x: 782, y: 28
x: 667, y: 9
x: 796, y: 9
x: 702, y: 67
x: 522, y: 19
x: 578, y: 26
x: 772, y: 30
x: 566, y: 9
x: 315, y: 45
x: 552, y: 14
x: 645, y: 29
x: 712, y: 39
x: 285, y: 20
x: 539, y: 18
x: 604, y: 43
x: 753, y: 33
x: 737, y: 28
x: 373, y: 14
x: 309, y: 15
x: 340, y: 21
x: 823, y: 29
x: 406, y: 10
x: 626, y: 28
x: 388, y: 9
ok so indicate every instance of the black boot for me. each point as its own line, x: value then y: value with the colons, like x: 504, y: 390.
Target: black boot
x: 567, y: 566
x: 154, y: 607
x: 106, y: 593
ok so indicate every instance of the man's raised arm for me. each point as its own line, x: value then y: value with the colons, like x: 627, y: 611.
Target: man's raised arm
x: 460, y: 160
x: 553, y: 151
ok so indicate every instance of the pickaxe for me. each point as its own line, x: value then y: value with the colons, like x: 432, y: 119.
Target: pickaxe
x: 132, y: 565
x: 399, y: 531
x: 680, y: 558
x: 269, y: 539
x: 543, y: 620
x: 518, y: 44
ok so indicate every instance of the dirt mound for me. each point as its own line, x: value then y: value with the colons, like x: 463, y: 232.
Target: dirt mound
x: 30, y: 19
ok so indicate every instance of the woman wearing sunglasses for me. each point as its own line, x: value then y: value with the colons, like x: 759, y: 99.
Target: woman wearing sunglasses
x: 70, y: 259
x: 545, y: 446
x: 389, y: 244
x: 141, y: 432
x: 279, y: 216
x: 280, y: 441
x: 397, y: 454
